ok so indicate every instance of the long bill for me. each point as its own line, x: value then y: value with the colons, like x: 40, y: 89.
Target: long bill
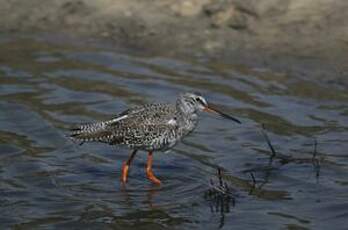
x: 221, y: 114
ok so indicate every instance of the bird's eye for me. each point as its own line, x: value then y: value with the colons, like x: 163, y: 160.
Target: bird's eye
x: 199, y: 100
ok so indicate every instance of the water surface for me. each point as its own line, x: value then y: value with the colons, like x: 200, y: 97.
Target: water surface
x: 48, y: 181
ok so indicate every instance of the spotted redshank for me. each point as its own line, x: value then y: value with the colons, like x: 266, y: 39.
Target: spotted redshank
x: 151, y: 127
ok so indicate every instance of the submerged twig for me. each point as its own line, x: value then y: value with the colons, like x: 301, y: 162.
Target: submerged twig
x: 219, y: 196
x: 269, y: 168
x: 315, y: 149
x: 253, y: 186
x: 274, y: 154
x: 220, y: 176
x: 283, y: 159
x: 315, y: 161
x: 253, y: 178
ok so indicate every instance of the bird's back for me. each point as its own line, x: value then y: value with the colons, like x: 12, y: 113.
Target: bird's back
x: 148, y: 127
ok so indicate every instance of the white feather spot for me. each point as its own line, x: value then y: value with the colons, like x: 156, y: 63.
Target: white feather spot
x: 119, y: 118
x: 172, y: 121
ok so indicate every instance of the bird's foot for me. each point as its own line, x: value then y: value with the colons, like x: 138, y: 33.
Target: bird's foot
x: 152, y: 177
x: 124, y: 173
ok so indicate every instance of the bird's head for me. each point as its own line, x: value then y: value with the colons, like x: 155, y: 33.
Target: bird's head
x: 193, y: 102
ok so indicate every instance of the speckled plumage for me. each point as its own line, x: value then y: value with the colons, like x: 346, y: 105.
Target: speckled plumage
x: 148, y: 127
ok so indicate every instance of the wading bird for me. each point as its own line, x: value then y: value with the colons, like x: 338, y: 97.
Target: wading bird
x: 151, y: 127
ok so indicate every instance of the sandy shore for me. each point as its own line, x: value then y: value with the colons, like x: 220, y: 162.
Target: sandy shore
x: 244, y: 30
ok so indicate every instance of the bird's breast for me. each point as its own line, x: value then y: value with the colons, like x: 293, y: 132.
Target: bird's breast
x: 188, y: 126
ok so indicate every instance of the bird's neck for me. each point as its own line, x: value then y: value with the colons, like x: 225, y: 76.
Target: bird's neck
x: 187, y: 120
x: 185, y: 111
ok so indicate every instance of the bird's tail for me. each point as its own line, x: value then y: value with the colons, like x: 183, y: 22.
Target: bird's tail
x: 91, y: 132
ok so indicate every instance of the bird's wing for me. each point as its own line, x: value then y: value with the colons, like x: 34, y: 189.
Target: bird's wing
x: 147, y: 114
x: 143, y: 126
x: 136, y: 124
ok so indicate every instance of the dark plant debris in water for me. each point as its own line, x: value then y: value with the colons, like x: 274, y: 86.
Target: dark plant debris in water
x: 286, y: 159
x: 257, y: 186
x: 274, y: 154
x: 315, y: 160
x: 220, y: 196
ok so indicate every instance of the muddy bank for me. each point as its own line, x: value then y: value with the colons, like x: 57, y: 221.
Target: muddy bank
x: 239, y: 31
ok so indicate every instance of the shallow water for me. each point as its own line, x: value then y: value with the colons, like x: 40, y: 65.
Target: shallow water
x: 48, y: 181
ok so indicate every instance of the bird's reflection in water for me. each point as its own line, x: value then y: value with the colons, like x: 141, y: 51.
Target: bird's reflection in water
x: 150, y: 195
x: 220, y: 197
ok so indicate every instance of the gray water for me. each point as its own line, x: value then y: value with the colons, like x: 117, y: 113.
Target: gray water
x: 47, y: 181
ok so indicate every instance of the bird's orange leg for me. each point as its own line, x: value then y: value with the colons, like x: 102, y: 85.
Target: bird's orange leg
x: 149, y: 172
x: 125, y: 166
